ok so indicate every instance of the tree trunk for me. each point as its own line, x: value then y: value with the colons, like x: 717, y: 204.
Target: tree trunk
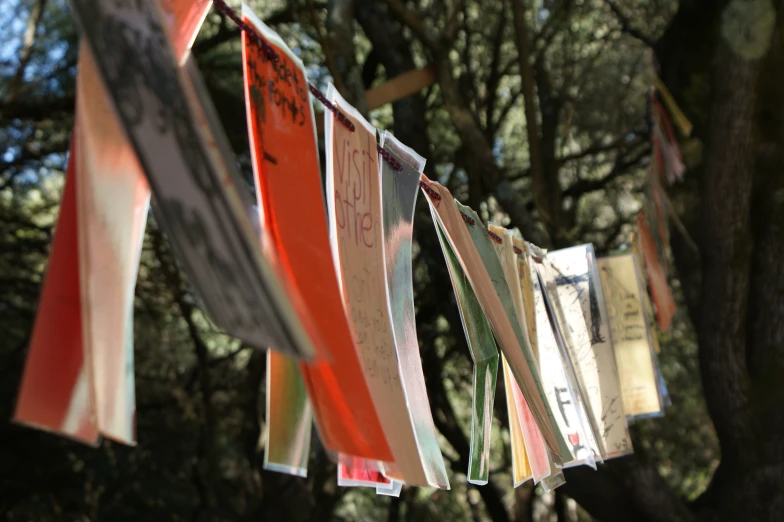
x: 739, y: 311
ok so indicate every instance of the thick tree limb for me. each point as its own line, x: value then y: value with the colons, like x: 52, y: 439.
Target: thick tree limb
x: 726, y: 249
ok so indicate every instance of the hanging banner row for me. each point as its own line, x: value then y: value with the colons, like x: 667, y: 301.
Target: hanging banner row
x: 328, y: 288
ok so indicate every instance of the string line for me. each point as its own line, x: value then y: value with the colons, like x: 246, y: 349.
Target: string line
x: 272, y: 55
x: 495, y: 237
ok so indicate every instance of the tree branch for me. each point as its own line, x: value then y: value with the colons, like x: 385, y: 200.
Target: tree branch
x: 452, y: 25
x: 227, y: 33
x: 38, y: 109
x: 412, y: 21
x: 726, y: 250
x: 207, y: 439
x: 596, y: 148
x: 339, y: 48
x: 626, y: 25
x: 494, y: 76
x: 584, y: 186
x: 545, y: 35
x: 504, y: 112
x: 36, y: 13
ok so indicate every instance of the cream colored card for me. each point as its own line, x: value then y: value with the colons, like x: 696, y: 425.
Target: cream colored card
x: 354, y: 186
x: 559, y: 380
x: 590, y: 347
x: 630, y: 336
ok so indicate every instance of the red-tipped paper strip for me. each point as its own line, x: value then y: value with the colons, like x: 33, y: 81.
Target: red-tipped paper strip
x: 102, y: 219
x: 55, y: 392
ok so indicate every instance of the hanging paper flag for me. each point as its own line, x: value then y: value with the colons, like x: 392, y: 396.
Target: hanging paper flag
x: 631, y: 342
x: 359, y: 472
x: 524, y: 275
x: 526, y: 287
x: 55, y: 393
x: 559, y: 380
x: 509, y: 335
x: 484, y: 353
x: 110, y: 212
x: 399, y: 191
x: 660, y: 289
x: 289, y: 417
x: 656, y: 211
x: 569, y: 328
x: 200, y: 207
x: 518, y: 275
x: 289, y: 192
x: 590, y: 347
x: 354, y: 204
x: 650, y: 316
x: 504, y: 267
x: 563, y: 333
x: 684, y: 125
x: 521, y: 466
x: 520, y: 251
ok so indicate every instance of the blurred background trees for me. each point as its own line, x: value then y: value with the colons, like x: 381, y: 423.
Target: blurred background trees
x: 537, y: 119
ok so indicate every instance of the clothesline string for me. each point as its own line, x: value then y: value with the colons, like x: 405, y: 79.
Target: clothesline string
x: 272, y: 56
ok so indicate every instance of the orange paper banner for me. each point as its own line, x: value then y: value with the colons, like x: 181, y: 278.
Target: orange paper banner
x: 288, y: 185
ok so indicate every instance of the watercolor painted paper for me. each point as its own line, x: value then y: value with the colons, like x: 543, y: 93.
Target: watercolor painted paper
x: 109, y: 211
x: 56, y: 390
x: 484, y: 353
x: 560, y: 383
x: 399, y: 190
x: 289, y: 417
